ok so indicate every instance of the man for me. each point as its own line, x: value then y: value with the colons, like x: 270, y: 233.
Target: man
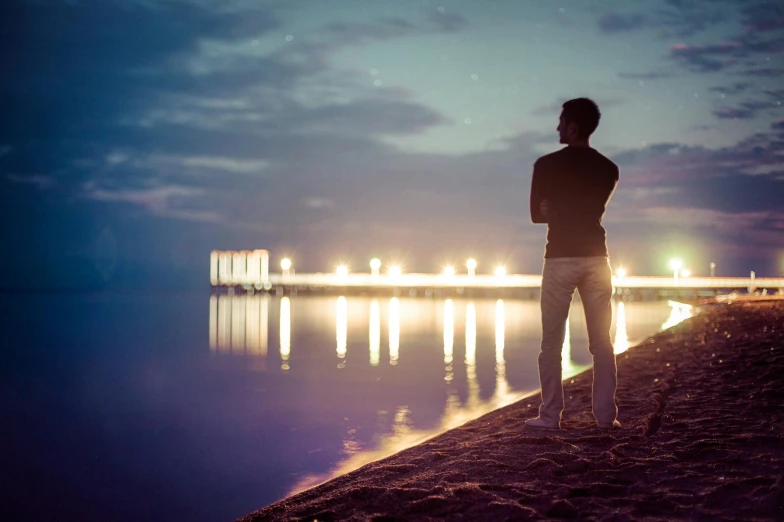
x: 570, y: 190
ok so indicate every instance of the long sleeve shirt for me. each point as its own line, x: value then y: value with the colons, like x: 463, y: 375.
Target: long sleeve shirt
x: 577, y: 183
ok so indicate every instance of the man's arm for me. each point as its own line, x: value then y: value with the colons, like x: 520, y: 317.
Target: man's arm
x: 537, y: 195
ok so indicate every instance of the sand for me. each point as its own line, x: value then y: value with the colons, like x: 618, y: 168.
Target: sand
x: 702, y: 407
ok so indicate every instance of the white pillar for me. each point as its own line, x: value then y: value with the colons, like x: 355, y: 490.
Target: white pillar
x: 263, y: 265
x: 252, y: 275
x: 224, y: 268
x: 238, y: 267
x: 214, y: 268
x: 752, y: 284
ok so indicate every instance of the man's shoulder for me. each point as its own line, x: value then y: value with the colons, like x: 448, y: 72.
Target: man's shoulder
x: 549, y: 159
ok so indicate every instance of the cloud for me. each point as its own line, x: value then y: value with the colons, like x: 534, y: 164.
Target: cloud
x: 160, y: 201
x: 646, y: 76
x: 620, y: 22
x: 743, y: 111
x: 735, y: 88
x: 40, y: 181
x: 707, y: 58
x: 765, y: 72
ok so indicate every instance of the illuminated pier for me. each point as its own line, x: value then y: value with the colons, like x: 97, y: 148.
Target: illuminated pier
x: 250, y: 271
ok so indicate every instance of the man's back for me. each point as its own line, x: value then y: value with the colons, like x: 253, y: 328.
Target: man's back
x: 577, y: 183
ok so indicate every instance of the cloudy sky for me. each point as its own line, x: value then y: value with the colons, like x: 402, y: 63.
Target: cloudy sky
x: 138, y: 135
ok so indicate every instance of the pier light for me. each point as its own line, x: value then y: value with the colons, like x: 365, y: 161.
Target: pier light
x: 471, y: 266
x: 341, y: 270
x: 375, y: 265
x: 449, y: 271
x: 621, y: 272
x: 685, y: 272
x: 500, y: 271
x: 675, y: 266
x: 394, y: 271
x: 285, y: 264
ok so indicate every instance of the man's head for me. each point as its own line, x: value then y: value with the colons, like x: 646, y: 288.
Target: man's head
x: 579, y: 119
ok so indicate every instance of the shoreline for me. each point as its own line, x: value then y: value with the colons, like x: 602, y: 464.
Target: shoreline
x: 702, y: 435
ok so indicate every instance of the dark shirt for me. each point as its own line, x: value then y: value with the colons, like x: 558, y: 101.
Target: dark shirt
x: 577, y: 183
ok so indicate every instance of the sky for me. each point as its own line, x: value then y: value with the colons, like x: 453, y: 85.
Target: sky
x: 136, y: 135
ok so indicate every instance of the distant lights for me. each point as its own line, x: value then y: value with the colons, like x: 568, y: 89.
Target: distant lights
x: 285, y: 263
x: 471, y: 266
x: 685, y: 272
x: 394, y: 271
x: 621, y: 272
x: 375, y: 263
x: 449, y: 271
x: 500, y: 271
x: 341, y: 270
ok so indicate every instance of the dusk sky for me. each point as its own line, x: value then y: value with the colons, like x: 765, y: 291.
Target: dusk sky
x: 138, y: 135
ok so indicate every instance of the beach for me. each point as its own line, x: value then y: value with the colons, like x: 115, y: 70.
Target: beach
x: 703, y: 421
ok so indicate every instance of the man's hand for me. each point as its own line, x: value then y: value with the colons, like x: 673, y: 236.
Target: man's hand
x: 543, y: 207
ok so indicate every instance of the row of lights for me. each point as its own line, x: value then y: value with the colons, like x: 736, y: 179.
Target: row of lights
x: 396, y: 270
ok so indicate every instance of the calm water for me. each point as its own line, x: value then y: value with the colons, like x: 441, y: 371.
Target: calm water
x: 187, y: 406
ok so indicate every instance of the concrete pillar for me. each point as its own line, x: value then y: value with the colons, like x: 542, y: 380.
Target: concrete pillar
x: 214, y: 268
x: 263, y: 265
x: 224, y: 268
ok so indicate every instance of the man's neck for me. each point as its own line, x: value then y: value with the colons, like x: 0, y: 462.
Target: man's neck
x: 580, y: 145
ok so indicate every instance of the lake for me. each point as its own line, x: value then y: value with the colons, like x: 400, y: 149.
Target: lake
x: 191, y: 406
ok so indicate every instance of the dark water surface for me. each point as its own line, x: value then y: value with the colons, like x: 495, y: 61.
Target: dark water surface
x: 191, y: 407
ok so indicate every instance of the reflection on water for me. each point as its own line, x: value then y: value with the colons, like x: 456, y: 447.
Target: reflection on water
x: 341, y: 328
x: 285, y: 332
x: 394, y: 330
x: 679, y: 312
x: 449, y: 337
x: 621, y: 343
x: 239, y: 325
x: 374, y: 335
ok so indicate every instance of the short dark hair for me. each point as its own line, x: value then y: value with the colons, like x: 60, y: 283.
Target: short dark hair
x: 585, y: 113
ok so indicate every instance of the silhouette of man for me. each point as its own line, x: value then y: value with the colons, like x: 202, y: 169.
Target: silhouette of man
x: 570, y: 190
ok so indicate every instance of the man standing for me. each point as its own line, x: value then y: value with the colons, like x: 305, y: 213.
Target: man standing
x: 570, y: 190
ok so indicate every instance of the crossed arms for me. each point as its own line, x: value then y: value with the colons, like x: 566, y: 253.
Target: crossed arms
x: 539, y: 206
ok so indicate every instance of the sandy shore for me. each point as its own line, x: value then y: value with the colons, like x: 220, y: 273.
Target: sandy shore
x: 702, y: 406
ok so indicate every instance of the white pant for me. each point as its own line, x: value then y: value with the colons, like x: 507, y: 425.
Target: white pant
x: 592, y: 277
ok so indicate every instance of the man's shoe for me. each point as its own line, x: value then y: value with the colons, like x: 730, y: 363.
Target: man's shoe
x: 614, y: 426
x: 539, y: 423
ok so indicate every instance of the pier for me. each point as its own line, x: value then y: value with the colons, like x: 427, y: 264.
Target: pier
x: 249, y: 271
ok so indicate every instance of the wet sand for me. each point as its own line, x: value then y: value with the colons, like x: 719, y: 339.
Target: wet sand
x: 702, y: 407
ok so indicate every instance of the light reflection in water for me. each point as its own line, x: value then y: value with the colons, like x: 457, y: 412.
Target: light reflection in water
x: 501, y: 384
x: 394, y: 330
x: 239, y: 324
x: 224, y: 323
x: 341, y: 328
x: 568, y: 367
x: 374, y: 335
x: 449, y: 338
x: 470, y: 355
x: 679, y: 312
x: 404, y: 436
x: 285, y: 332
x: 621, y: 343
x: 213, y: 323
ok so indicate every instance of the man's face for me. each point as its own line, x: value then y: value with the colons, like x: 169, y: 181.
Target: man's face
x: 561, y: 130
x: 566, y: 132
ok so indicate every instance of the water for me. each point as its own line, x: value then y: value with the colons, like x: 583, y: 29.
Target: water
x: 187, y: 406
